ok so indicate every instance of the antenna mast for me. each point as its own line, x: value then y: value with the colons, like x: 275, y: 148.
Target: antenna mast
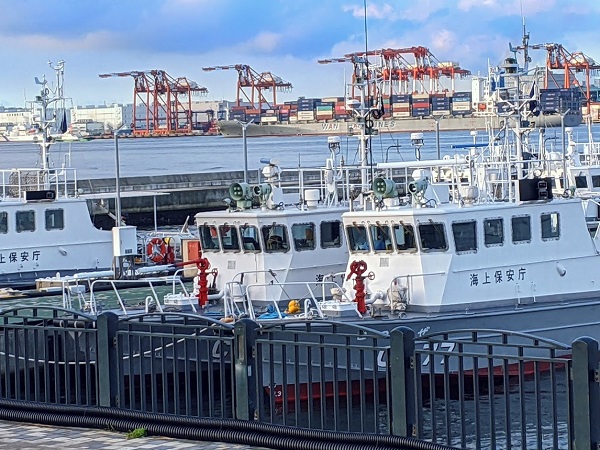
x: 46, y: 98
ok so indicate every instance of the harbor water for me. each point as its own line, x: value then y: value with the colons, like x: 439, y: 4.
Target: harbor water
x: 201, y: 154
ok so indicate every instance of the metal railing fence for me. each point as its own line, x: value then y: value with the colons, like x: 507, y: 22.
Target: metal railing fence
x: 468, y: 388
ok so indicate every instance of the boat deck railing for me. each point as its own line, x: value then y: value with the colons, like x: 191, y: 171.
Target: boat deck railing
x: 335, y: 185
x: 589, y: 153
x: 88, y: 295
x: 265, y: 300
x: 495, y: 177
x: 15, y: 182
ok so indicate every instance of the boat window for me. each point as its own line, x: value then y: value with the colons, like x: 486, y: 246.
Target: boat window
x: 550, y: 226
x: 25, y: 221
x: 433, y: 236
x: 357, y: 238
x: 521, y: 229
x: 493, y: 232
x: 3, y: 222
x: 304, y: 236
x: 250, y: 238
x: 229, y: 238
x: 595, y: 181
x: 331, y: 234
x: 580, y: 181
x: 209, y: 242
x: 276, y: 238
x: 465, y: 236
x: 55, y: 219
x: 381, y: 237
x: 405, y: 237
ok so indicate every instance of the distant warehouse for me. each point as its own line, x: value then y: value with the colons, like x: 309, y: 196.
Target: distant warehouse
x: 104, y: 119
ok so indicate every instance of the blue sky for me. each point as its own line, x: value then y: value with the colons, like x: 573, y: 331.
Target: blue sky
x: 285, y: 37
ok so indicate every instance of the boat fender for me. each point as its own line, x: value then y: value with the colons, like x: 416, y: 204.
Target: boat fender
x: 293, y: 307
x: 562, y: 270
x: 156, y: 250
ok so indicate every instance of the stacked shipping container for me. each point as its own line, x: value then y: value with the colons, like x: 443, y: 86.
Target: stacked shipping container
x: 560, y: 100
x: 461, y: 103
x: 396, y: 106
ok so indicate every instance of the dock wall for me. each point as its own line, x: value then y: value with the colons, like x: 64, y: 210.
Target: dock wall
x: 187, y: 195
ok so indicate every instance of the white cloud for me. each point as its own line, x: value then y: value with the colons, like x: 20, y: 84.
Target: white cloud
x: 466, y: 5
x: 266, y: 41
x: 507, y: 8
x: 99, y: 40
x: 423, y: 9
x: 444, y: 40
x: 384, y: 11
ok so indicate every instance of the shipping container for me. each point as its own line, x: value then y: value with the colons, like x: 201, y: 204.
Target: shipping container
x: 461, y: 95
x: 400, y: 98
x: 421, y: 104
x: 269, y: 119
x: 306, y: 115
x: 322, y: 117
x: 341, y: 116
x: 420, y: 112
x: 238, y: 116
x: 461, y: 107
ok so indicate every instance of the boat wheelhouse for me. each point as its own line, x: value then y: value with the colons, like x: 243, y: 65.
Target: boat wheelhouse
x: 276, y: 233
x: 46, y: 228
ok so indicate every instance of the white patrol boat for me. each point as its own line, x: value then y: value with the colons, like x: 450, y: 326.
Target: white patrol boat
x: 276, y: 232
x: 45, y: 226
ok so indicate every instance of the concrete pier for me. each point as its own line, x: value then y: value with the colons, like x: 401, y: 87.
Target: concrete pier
x: 187, y: 195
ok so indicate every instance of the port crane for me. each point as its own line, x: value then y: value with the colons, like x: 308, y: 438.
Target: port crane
x: 256, y: 83
x: 394, y: 69
x: 570, y: 64
x: 162, y: 104
x: 558, y: 58
x: 398, y: 66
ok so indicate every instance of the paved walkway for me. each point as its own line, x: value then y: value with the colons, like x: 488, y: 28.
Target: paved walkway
x: 20, y: 436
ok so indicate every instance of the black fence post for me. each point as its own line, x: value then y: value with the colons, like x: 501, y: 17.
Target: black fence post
x: 245, y: 369
x: 106, y: 359
x: 586, y: 394
x: 402, y: 395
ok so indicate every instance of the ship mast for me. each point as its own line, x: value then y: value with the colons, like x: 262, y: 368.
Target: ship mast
x: 47, y: 97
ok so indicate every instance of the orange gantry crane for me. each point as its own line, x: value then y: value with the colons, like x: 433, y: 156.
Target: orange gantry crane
x: 162, y: 104
x: 250, y: 79
x: 394, y: 69
x: 558, y: 58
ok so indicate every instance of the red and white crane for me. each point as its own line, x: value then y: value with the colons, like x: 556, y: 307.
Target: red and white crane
x: 162, y: 104
x: 250, y: 80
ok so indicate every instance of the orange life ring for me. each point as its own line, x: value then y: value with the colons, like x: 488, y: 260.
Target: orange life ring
x: 482, y: 107
x: 156, y: 250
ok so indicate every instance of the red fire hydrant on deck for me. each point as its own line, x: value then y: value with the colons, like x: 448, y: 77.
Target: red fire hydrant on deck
x: 203, y: 265
x: 358, y: 268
